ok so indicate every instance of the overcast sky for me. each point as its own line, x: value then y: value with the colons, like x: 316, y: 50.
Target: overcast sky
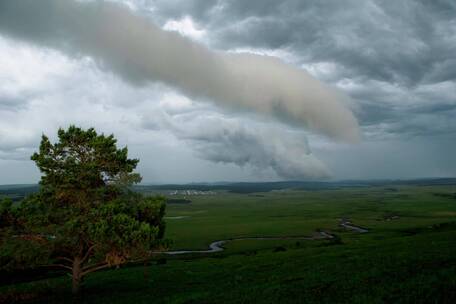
x: 235, y: 90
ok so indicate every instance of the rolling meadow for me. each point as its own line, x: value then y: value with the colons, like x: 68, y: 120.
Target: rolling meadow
x: 407, y: 255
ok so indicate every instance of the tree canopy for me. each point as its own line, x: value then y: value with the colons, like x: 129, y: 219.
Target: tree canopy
x: 85, y: 217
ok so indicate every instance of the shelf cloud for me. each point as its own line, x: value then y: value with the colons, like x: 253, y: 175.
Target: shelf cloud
x: 141, y: 52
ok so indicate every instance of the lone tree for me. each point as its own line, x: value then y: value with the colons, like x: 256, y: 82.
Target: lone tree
x: 85, y: 217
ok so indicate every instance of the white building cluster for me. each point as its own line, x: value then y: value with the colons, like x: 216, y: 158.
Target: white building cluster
x: 191, y: 192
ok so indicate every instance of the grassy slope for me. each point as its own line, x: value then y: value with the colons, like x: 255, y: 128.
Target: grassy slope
x: 402, y: 260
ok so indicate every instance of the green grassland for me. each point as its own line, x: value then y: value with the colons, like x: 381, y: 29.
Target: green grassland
x: 408, y: 255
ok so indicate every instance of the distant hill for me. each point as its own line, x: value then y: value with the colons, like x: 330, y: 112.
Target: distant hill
x: 251, y: 187
x: 16, y: 186
x: 18, y: 192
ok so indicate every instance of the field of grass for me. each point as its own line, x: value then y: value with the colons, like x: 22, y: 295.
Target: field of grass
x: 408, y: 255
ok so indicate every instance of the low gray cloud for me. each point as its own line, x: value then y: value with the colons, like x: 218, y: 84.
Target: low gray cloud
x: 243, y: 141
x: 401, y: 158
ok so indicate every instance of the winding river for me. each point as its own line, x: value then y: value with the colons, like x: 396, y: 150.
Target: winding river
x: 217, y: 246
x: 349, y: 225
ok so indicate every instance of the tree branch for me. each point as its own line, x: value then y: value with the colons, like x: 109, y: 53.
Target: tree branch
x: 60, y: 265
x: 65, y: 259
x: 88, y: 253
x: 93, y: 265
x: 95, y: 269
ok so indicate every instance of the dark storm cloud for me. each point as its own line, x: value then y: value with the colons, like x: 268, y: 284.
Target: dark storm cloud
x: 381, y: 40
x: 401, y: 55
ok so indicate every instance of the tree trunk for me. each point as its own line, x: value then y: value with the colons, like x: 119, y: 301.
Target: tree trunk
x: 77, y: 275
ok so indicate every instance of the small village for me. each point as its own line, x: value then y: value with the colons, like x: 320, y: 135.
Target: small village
x: 190, y: 192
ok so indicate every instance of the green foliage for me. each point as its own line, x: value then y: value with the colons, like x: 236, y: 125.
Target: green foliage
x: 6, y: 213
x: 84, y: 217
